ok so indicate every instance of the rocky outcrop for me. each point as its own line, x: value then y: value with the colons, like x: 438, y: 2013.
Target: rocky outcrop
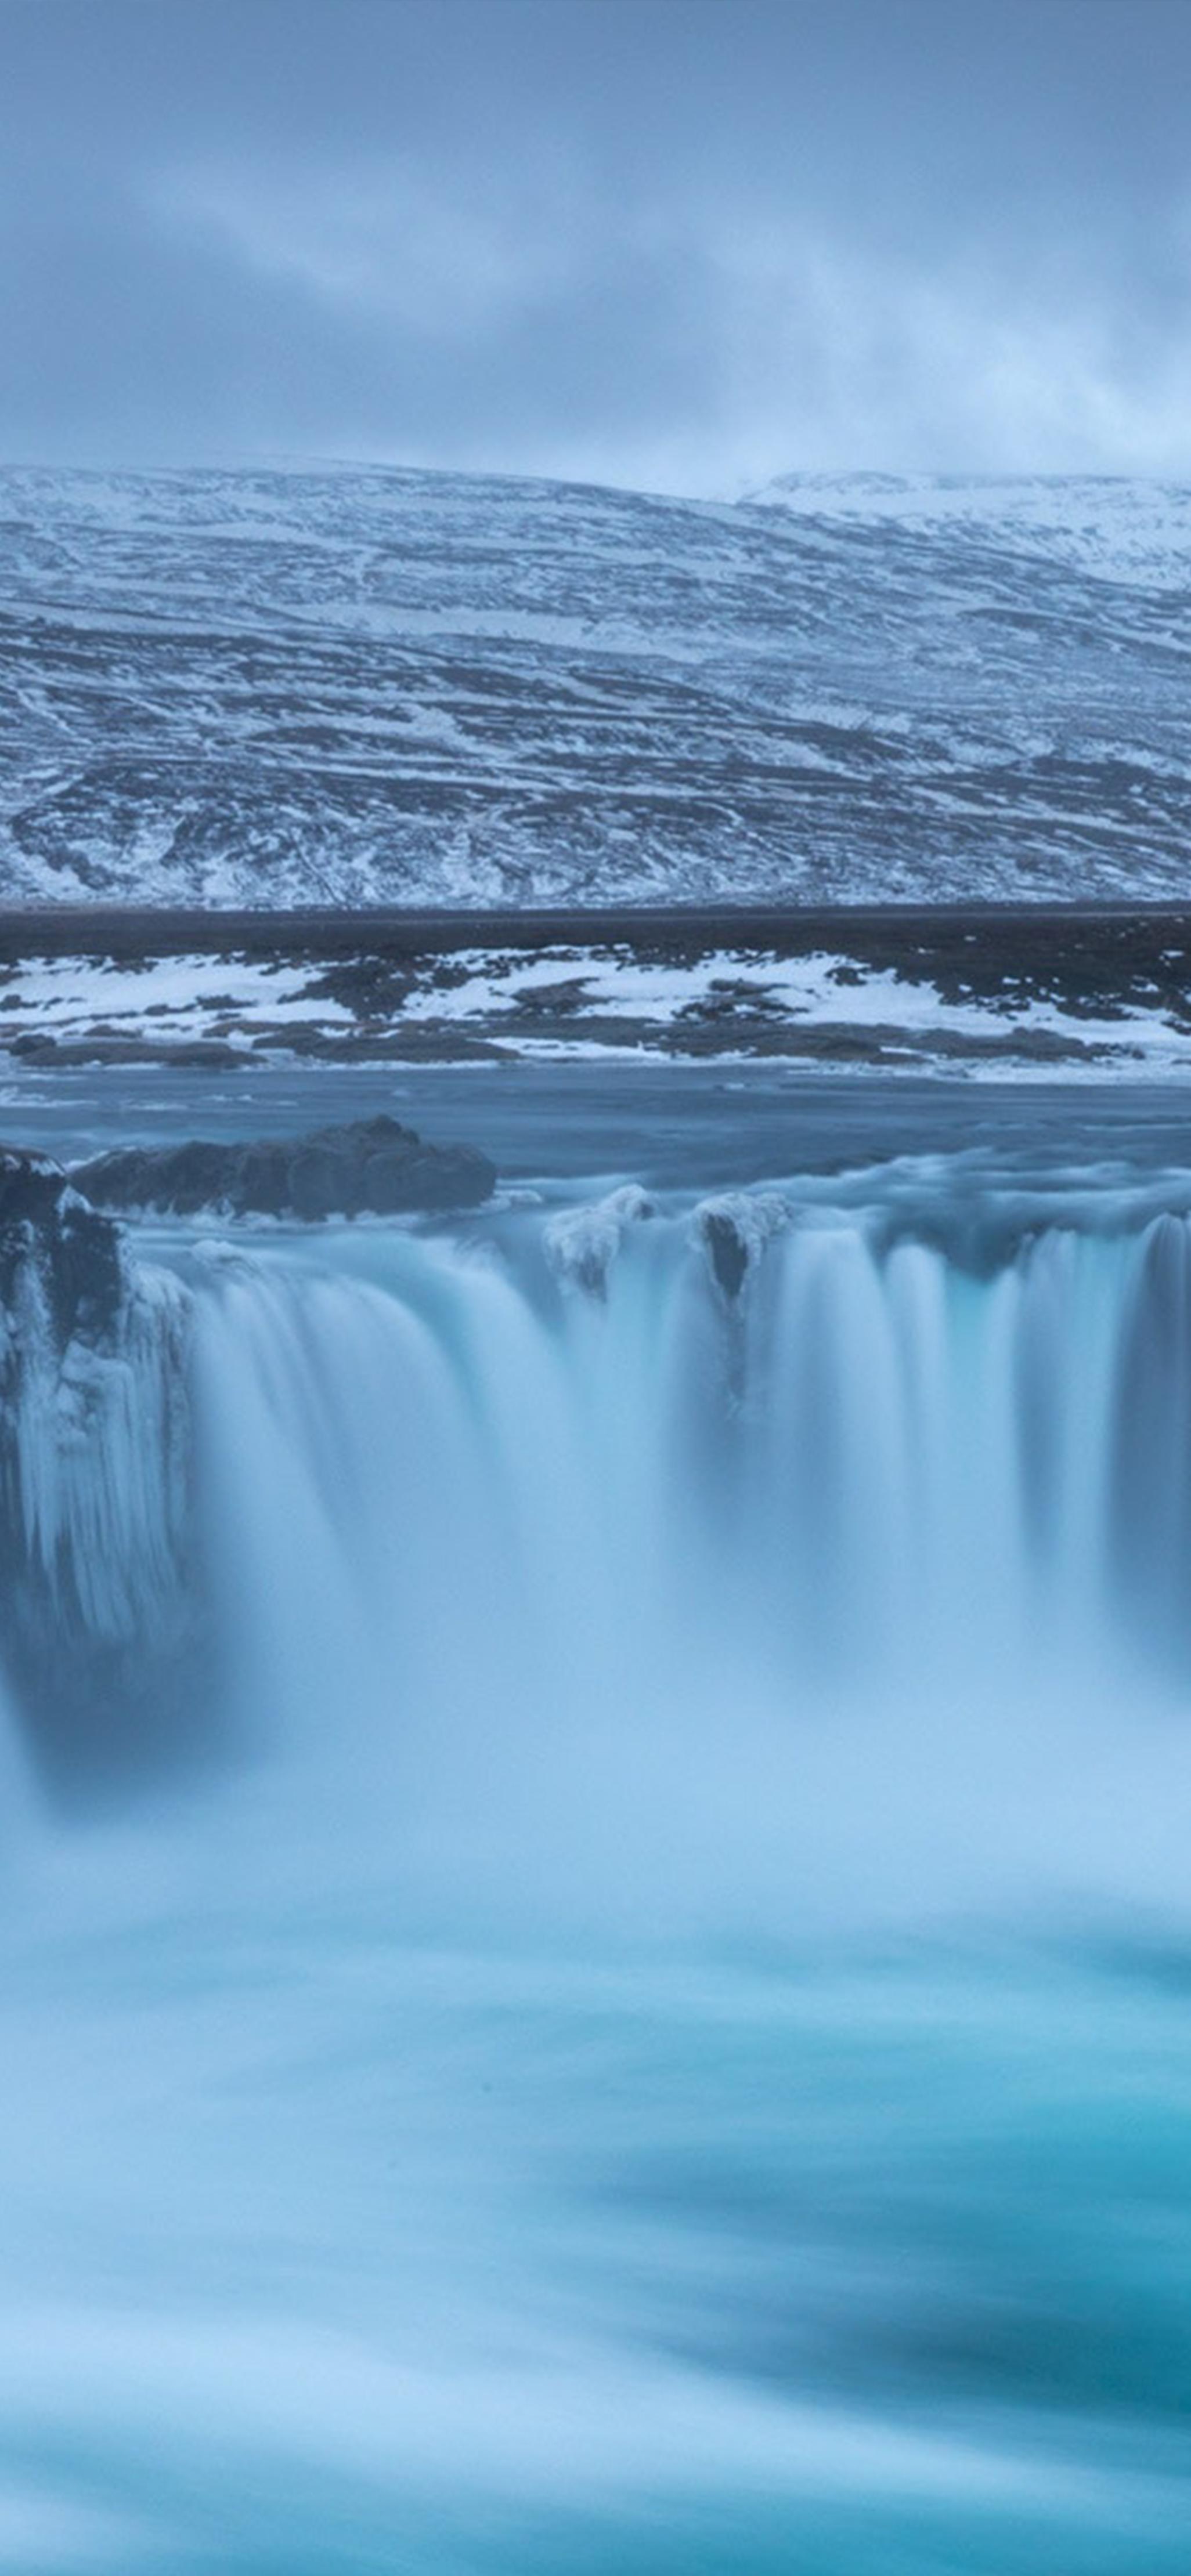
x: 374, y: 1167
x: 97, y: 1633
x: 46, y: 1228
x: 582, y: 1244
x: 734, y: 1231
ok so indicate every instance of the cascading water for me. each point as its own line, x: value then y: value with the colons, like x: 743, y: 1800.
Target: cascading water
x: 554, y: 1543
x: 509, y: 2106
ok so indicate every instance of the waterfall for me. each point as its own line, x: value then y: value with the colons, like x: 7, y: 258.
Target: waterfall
x: 542, y: 1549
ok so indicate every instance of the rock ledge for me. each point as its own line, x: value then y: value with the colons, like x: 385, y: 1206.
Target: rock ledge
x: 372, y: 1167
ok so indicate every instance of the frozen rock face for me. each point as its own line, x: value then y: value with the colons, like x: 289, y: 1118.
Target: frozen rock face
x: 49, y: 1235
x: 734, y: 1230
x: 379, y: 687
x: 97, y: 1631
x: 374, y: 1166
x: 582, y: 1244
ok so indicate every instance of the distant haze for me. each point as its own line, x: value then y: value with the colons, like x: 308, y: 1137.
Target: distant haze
x: 681, y: 244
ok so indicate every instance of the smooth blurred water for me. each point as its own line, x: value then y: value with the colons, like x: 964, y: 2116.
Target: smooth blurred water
x: 647, y: 2023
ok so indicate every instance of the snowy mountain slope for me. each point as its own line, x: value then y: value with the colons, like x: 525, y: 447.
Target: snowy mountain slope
x: 1134, y: 532
x: 353, y: 687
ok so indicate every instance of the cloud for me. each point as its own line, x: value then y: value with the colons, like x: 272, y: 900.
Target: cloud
x: 603, y: 240
x: 831, y: 357
x: 385, y: 242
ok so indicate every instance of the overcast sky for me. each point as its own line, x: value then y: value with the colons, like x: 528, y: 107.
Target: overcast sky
x: 680, y: 243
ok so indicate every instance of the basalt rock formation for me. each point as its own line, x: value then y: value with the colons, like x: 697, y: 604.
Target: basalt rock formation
x: 96, y: 1614
x: 373, y: 1167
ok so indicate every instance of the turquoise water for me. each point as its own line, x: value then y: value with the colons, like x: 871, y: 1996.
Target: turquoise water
x: 324, y: 2248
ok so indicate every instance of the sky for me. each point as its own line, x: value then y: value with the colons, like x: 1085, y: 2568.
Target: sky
x: 685, y: 245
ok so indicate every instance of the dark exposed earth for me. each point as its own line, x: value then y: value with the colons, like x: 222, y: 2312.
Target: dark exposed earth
x: 1027, y: 984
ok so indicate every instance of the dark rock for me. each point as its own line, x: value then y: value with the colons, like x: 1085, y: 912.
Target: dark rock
x: 30, y: 1185
x: 374, y: 1167
x: 734, y: 1231
x: 198, y: 1055
x: 84, y: 1270
x: 372, y: 987
x: 73, y: 1251
x: 727, y: 1253
x: 33, y: 1046
x: 100, y: 1631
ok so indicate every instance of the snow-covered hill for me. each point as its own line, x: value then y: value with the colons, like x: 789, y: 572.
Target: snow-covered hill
x: 355, y: 687
x: 1132, y: 532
